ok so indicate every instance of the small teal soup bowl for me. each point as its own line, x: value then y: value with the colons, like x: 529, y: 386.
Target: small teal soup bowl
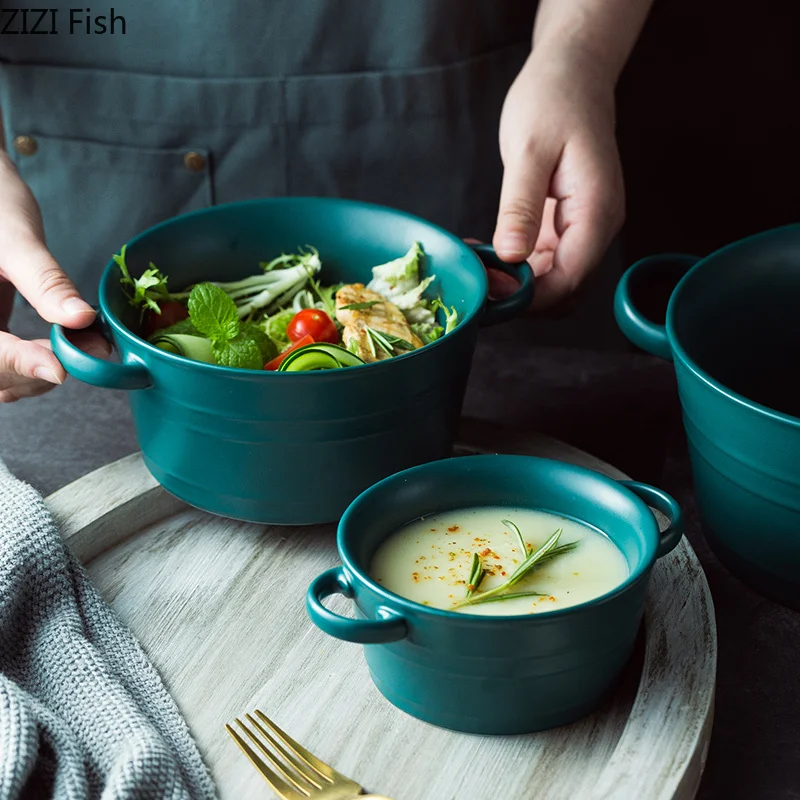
x: 292, y: 448
x: 732, y: 329
x: 499, y: 674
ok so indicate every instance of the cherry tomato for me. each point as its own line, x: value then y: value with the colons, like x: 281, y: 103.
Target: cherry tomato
x: 278, y: 360
x: 171, y: 312
x: 312, y: 322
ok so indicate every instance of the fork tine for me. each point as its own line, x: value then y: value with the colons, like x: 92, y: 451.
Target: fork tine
x: 320, y: 767
x: 302, y: 769
x: 279, y: 786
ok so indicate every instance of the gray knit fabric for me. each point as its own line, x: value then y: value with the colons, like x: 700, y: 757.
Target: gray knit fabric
x: 83, y: 713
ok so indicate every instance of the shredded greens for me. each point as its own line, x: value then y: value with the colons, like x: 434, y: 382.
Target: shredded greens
x: 247, y: 323
x: 145, y: 291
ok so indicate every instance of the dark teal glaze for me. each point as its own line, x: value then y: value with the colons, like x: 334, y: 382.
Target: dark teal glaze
x: 279, y: 447
x: 733, y: 331
x: 495, y: 675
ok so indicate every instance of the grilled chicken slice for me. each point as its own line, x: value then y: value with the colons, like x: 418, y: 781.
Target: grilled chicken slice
x: 384, y: 317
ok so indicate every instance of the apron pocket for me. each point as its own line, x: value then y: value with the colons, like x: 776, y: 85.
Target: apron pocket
x: 94, y: 196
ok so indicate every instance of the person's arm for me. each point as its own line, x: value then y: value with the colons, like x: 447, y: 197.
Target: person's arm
x: 562, y: 199
x: 600, y: 32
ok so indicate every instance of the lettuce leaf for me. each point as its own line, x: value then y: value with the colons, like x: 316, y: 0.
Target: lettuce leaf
x: 276, y: 326
x: 399, y: 276
x: 399, y: 282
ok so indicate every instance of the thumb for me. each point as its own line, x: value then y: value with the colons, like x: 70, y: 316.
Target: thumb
x: 25, y: 260
x: 526, y: 182
x: 28, y: 264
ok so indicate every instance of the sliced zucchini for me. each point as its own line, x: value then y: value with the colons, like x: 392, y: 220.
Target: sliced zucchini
x: 319, y: 356
x: 198, y: 348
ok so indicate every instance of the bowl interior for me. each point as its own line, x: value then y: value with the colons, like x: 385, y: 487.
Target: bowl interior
x: 736, y: 317
x: 497, y: 480
x: 227, y: 242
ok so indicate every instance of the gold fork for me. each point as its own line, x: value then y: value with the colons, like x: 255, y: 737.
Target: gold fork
x: 297, y: 774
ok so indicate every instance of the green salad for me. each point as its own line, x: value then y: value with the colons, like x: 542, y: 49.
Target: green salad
x: 284, y: 318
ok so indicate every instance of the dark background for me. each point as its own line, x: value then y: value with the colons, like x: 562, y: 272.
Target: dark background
x: 709, y: 134
x: 709, y: 124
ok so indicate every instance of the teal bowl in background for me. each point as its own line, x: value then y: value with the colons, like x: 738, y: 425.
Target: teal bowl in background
x: 292, y: 448
x: 733, y: 331
x: 504, y: 674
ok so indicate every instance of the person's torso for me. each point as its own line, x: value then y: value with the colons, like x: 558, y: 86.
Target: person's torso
x: 263, y: 38
x: 178, y: 106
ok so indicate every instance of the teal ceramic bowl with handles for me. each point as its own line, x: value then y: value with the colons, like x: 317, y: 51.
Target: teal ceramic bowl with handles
x: 733, y: 331
x: 487, y: 674
x: 292, y: 448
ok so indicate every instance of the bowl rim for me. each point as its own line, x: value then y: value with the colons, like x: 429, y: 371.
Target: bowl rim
x: 216, y: 369
x: 634, y: 576
x: 683, y: 356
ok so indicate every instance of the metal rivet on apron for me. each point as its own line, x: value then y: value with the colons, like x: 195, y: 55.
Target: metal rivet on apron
x: 194, y: 162
x: 25, y: 145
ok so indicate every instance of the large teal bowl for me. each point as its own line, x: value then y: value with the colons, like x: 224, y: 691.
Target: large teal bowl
x: 733, y: 330
x: 291, y: 448
x: 495, y: 675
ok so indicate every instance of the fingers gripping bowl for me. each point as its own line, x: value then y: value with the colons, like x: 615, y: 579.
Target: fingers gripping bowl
x: 291, y: 448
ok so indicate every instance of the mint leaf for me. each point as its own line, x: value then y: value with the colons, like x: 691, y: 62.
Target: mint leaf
x: 213, y: 313
x: 241, y: 352
x: 267, y: 347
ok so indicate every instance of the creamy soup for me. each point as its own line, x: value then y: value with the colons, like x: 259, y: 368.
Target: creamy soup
x: 431, y: 560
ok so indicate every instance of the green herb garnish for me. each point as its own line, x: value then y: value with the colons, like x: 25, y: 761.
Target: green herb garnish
x: 476, y: 575
x: 511, y: 596
x: 326, y: 296
x: 148, y: 290
x: 516, y: 530
x: 213, y: 313
x: 360, y: 306
x: 546, y: 552
x: 387, y: 342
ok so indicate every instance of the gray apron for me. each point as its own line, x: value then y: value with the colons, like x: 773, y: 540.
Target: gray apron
x: 389, y: 101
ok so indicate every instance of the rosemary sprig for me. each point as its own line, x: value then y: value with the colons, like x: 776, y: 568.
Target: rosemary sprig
x: 546, y: 552
x: 387, y: 342
x: 360, y: 306
x: 482, y: 598
x: 371, y: 342
x: 476, y: 575
x: 519, y: 536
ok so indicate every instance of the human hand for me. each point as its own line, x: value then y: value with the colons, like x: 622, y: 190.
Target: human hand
x: 29, y: 368
x: 562, y: 199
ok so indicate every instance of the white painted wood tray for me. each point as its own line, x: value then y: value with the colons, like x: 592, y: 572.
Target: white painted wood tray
x: 219, y: 607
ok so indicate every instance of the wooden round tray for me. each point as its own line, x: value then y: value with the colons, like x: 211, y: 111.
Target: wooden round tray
x: 219, y: 607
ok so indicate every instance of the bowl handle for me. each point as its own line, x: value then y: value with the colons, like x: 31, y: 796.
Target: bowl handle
x: 668, y: 506
x: 96, y: 371
x: 503, y: 310
x: 644, y: 333
x: 391, y: 627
